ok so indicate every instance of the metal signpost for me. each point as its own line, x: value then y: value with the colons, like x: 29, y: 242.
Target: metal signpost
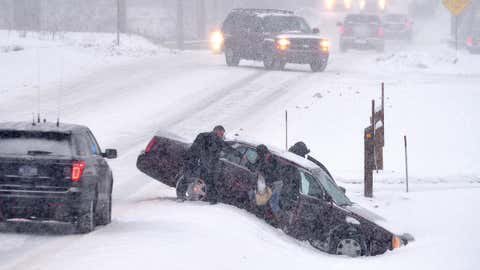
x: 456, y: 7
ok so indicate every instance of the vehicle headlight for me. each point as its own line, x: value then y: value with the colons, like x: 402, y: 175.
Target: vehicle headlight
x: 347, y: 4
x: 329, y: 4
x: 283, y: 44
x: 362, y: 4
x: 325, y: 45
x: 382, y: 4
x: 216, y: 41
x: 396, y: 242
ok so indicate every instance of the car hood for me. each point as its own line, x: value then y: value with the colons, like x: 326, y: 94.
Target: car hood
x: 372, y: 217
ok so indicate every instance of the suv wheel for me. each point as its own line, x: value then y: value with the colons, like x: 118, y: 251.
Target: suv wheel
x: 105, y: 215
x: 191, y: 189
x: 86, y: 222
x: 231, y: 57
x: 319, y: 65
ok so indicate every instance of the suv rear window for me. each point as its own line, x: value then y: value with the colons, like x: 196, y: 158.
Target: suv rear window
x: 358, y: 19
x: 35, y: 143
x: 279, y: 24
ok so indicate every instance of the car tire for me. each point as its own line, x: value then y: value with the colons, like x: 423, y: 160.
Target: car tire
x: 231, y: 57
x: 104, y: 216
x: 348, y: 245
x: 191, y: 189
x: 86, y: 222
x: 319, y: 65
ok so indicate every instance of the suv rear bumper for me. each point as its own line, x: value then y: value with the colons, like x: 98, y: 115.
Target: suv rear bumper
x: 369, y: 42
x: 57, y: 205
x: 302, y: 56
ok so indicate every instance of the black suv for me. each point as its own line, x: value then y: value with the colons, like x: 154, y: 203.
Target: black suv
x: 54, y: 172
x: 275, y: 37
x: 361, y: 31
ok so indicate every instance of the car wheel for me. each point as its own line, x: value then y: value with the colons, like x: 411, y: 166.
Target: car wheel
x: 319, y: 65
x: 86, y: 222
x: 351, y: 246
x: 105, y: 215
x: 191, y: 189
x: 231, y: 57
x: 268, y: 62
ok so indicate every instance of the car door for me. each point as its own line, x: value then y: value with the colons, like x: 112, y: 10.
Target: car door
x: 311, y: 214
x: 238, y: 180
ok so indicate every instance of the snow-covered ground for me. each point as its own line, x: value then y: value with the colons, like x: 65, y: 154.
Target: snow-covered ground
x: 126, y: 98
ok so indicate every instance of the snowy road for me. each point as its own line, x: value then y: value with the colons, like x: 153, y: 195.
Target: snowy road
x: 125, y: 103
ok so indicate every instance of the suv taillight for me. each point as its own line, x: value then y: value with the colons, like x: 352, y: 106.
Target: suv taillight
x: 150, y: 145
x: 380, y: 32
x: 77, y: 170
x: 470, y: 41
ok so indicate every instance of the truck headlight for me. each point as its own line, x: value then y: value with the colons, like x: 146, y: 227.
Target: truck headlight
x: 216, y: 41
x: 325, y: 45
x: 283, y: 44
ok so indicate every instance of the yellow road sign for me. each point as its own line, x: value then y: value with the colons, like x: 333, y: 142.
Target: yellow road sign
x: 456, y: 7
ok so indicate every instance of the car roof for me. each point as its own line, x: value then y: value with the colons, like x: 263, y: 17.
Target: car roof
x: 262, y: 12
x: 354, y: 16
x: 283, y: 154
x: 42, y: 127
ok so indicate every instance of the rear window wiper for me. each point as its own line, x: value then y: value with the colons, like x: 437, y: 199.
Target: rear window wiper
x: 38, y: 152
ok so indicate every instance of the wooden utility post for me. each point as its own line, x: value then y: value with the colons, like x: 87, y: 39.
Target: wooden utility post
x: 180, y: 36
x: 374, y: 141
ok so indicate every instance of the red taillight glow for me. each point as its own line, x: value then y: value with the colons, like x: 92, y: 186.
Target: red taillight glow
x: 380, y: 32
x: 150, y: 145
x: 77, y: 170
x: 470, y: 41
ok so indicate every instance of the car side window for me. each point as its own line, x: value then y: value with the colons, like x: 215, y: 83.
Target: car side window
x: 233, y: 157
x: 310, y: 186
x: 250, y: 157
x: 93, y: 145
x: 81, y: 144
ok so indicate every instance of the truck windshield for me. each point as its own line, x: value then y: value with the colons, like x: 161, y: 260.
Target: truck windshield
x: 34, y: 143
x: 331, y: 188
x: 282, y: 24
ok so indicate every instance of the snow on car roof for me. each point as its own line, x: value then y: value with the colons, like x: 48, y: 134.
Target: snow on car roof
x: 41, y: 127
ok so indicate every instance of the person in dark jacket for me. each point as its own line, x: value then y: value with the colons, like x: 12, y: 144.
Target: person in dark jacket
x: 203, y: 160
x: 300, y: 148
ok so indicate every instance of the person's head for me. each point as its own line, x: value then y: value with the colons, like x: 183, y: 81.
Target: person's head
x: 300, y: 148
x: 263, y: 152
x: 219, y: 132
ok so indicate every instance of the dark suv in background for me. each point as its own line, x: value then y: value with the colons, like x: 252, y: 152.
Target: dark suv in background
x: 54, y: 172
x: 361, y: 31
x: 275, y: 37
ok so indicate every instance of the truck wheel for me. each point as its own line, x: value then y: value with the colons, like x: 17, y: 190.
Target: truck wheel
x: 231, y: 58
x: 86, y: 222
x: 319, y: 65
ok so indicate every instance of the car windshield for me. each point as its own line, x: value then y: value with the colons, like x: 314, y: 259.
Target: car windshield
x: 34, y: 143
x: 282, y: 24
x: 331, y: 188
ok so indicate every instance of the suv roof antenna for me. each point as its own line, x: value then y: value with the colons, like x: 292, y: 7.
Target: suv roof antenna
x: 60, y: 89
x: 38, y: 118
x: 58, y: 121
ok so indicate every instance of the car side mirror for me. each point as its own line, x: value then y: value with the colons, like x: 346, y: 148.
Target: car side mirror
x: 339, y: 24
x: 328, y: 198
x: 110, y: 153
x: 316, y: 30
x: 343, y: 190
